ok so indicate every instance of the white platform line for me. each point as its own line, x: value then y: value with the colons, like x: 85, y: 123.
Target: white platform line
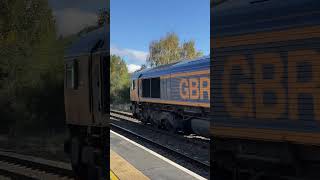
x: 161, y: 157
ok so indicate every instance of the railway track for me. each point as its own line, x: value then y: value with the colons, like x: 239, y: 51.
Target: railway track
x: 17, y: 166
x: 181, y: 155
x: 196, y: 140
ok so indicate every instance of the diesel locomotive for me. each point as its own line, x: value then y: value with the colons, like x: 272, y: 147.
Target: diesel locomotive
x: 86, y: 92
x: 265, y: 106
x: 175, y: 97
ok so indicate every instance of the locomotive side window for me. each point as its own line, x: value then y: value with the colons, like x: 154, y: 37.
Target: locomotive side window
x: 155, y: 87
x: 72, y: 75
x: 151, y: 87
x: 146, y: 88
x: 133, y: 86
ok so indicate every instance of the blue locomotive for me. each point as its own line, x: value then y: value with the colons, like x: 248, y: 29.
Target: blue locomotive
x: 175, y: 97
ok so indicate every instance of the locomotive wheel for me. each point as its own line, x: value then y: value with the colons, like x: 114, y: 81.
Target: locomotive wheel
x: 145, y: 117
x: 167, y: 123
x: 155, y: 125
x: 134, y: 111
x: 169, y: 127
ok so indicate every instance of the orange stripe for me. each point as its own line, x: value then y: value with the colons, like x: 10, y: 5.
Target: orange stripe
x: 267, y: 134
x: 267, y: 37
x: 207, y: 105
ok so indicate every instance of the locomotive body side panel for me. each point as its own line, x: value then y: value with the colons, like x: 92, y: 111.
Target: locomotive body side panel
x: 86, y: 80
x: 265, y: 94
x: 179, y: 84
x: 266, y: 73
x: 269, y: 91
x: 134, y: 90
x: 184, y: 89
x: 77, y: 98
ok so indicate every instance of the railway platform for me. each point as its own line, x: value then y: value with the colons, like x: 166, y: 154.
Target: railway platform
x: 130, y: 160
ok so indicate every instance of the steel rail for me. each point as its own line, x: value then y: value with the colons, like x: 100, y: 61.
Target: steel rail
x: 31, y: 164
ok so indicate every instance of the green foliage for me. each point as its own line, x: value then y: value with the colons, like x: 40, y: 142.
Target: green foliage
x: 188, y: 51
x: 31, y: 67
x: 119, y: 80
x: 168, y: 50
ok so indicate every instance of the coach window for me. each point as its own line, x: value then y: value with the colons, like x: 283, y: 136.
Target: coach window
x: 72, y: 75
x: 155, y: 87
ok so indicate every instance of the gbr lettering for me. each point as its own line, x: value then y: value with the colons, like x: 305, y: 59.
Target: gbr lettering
x: 195, y: 88
x: 287, y: 94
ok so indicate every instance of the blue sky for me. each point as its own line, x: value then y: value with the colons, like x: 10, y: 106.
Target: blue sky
x: 134, y: 24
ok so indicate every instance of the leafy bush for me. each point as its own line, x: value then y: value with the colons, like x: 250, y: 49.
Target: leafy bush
x: 119, y: 81
x: 31, y: 68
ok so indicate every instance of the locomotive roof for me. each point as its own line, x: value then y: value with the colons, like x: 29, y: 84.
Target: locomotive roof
x: 181, y: 66
x: 235, y: 17
x: 85, y: 43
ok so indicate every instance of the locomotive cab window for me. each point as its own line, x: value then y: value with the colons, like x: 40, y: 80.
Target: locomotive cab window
x: 146, y: 88
x: 155, y: 87
x: 151, y: 88
x: 72, y: 75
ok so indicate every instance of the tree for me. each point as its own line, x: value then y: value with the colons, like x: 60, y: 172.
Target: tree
x: 31, y: 65
x: 188, y: 51
x: 119, y: 80
x: 143, y: 66
x: 168, y: 50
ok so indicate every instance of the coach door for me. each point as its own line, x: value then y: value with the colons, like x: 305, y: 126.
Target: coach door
x: 99, y: 84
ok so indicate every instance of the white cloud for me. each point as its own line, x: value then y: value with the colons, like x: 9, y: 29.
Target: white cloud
x: 132, y: 56
x: 72, y: 20
x: 133, y: 67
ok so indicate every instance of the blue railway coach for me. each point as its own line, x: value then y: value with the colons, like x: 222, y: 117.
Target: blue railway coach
x: 174, y: 96
x: 265, y: 85
x: 86, y: 93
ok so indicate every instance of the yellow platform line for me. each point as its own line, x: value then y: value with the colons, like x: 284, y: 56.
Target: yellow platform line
x: 122, y: 169
x: 113, y: 176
